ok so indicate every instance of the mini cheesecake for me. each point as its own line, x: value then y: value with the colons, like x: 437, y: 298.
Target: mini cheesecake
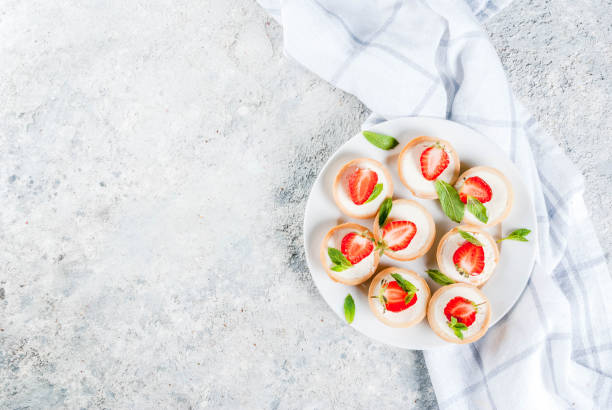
x: 408, y: 231
x: 400, y: 303
x: 424, y: 160
x: 348, y: 255
x: 459, y: 313
x: 360, y: 187
x: 469, y: 261
x: 491, y: 188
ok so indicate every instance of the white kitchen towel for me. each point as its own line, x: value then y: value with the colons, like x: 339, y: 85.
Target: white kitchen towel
x: 432, y: 58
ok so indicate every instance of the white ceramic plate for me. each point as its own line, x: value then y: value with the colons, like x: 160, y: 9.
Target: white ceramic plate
x: 516, y: 258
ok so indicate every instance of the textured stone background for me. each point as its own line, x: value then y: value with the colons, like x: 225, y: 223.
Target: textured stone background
x: 155, y: 159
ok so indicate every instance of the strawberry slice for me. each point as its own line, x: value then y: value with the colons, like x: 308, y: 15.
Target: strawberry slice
x: 361, y: 183
x: 398, y: 234
x: 355, y: 247
x: 469, y: 259
x: 396, y: 298
x: 434, y: 161
x: 462, y: 309
x: 476, y: 187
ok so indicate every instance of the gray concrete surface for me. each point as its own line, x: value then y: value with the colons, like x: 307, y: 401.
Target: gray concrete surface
x: 557, y: 55
x: 141, y: 267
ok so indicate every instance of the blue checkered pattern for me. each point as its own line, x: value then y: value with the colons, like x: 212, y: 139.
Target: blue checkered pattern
x: 431, y: 57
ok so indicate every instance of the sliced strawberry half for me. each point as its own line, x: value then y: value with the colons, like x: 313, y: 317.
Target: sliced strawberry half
x: 476, y: 187
x: 462, y: 309
x: 355, y: 247
x: 469, y: 259
x: 361, y: 183
x: 396, y: 298
x: 398, y: 234
x: 434, y: 161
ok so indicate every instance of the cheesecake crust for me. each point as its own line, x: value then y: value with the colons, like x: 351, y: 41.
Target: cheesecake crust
x: 469, y: 229
x: 474, y: 172
x: 338, y: 185
x: 414, y: 142
x: 419, y: 283
x: 420, y: 252
x: 436, y: 328
x: 335, y: 275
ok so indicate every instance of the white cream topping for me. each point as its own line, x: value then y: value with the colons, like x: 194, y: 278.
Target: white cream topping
x: 411, y: 169
x: 344, y: 196
x: 468, y: 293
x: 356, y: 271
x: 406, y: 315
x: 451, y: 244
x: 499, y: 196
x: 402, y: 211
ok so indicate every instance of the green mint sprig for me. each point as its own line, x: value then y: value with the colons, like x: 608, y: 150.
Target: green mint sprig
x: 381, y: 141
x: 439, y: 277
x: 383, y: 211
x: 457, y: 327
x: 339, y: 260
x: 406, y: 286
x: 377, y: 190
x: 476, y: 208
x: 518, y: 235
x: 469, y: 237
x: 450, y: 201
x: 349, y: 308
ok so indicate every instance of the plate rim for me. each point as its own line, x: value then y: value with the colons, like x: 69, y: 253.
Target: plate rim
x: 404, y: 123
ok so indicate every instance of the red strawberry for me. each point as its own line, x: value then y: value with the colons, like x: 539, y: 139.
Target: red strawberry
x: 462, y: 309
x: 396, y: 298
x: 361, y: 184
x: 476, y: 187
x: 398, y: 234
x: 469, y: 259
x: 434, y: 161
x: 355, y: 247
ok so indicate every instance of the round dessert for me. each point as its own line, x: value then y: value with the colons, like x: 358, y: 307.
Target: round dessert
x: 467, y: 254
x: 398, y: 297
x: 360, y: 187
x: 459, y: 313
x: 408, y: 231
x: 424, y: 160
x: 491, y: 188
x: 348, y: 255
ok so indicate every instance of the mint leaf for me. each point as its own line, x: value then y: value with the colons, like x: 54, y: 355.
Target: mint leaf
x: 381, y: 141
x: 449, y: 200
x: 518, y: 235
x: 518, y: 238
x: 477, y: 209
x: 339, y: 260
x: 337, y: 257
x: 521, y: 232
x: 408, y: 297
x: 439, y: 277
x: 383, y: 211
x: 349, y: 308
x: 457, y: 327
x: 469, y: 237
x: 403, y: 283
x: 377, y: 190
